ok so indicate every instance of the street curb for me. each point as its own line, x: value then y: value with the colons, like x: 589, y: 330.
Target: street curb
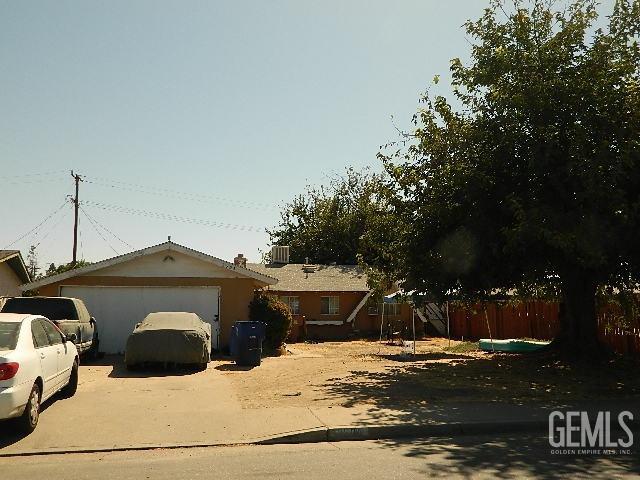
x: 382, y: 432
x: 332, y: 434
x: 131, y: 448
x: 389, y: 432
x: 314, y: 435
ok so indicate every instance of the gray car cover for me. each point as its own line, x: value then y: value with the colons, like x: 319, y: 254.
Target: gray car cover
x: 171, y: 337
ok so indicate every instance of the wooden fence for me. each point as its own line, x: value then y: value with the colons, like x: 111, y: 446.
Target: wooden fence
x: 537, y: 320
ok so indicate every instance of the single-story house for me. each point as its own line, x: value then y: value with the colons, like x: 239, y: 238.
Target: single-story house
x: 119, y: 292
x: 331, y: 301
x: 13, y: 273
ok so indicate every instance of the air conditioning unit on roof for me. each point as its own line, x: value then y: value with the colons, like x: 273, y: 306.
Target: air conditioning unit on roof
x: 279, y: 254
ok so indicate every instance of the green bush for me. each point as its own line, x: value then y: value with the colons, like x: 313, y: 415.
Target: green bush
x: 275, y: 314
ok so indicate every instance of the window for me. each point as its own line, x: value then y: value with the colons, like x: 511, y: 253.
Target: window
x: 329, y: 305
x: 52, y: 308
x: 9, y: 332
x: 293, y: 303
x: 40, y: 338
x: 55, y: 337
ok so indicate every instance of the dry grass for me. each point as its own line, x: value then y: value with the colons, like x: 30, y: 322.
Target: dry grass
x: 370, y: 373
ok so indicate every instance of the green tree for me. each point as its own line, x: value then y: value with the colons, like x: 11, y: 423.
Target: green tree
x: 326, y: 223
x: 65, y: 267
x: 530, y: 179
x: 276, y: 316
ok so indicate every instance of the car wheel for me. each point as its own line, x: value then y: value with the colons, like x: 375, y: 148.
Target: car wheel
x: 70, y: 389
x: 28, y: 422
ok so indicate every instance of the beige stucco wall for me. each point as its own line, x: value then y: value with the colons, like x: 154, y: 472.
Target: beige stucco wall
x: 236, y: 293
x: 9, y: 281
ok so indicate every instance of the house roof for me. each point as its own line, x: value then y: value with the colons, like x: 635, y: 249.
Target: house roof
x: 13, y: 258
x: 297, y: 277
x: 261, y: 277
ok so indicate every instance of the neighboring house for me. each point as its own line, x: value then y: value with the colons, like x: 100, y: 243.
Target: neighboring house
x: 13, y: 273
x: 329, y: 301
x: 119, y: 292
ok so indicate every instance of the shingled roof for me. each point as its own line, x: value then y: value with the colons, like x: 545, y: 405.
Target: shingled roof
x: 297, y: 277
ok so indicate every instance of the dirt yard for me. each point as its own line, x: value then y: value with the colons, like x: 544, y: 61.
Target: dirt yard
x: 370, y: 373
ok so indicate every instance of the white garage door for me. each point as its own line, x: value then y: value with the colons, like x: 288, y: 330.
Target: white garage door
x: 118, y: 309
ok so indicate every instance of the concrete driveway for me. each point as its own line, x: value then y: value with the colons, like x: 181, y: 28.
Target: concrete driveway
x: 114, y: 408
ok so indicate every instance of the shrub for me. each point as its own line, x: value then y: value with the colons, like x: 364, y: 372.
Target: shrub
x: 275, y: 314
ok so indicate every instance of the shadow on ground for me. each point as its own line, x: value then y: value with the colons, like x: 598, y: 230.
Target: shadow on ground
x: 8, y: 433
x: 232, y: 367
x: 421, y: 357
x: 443, y: 386
x: 119, y: 369
x: 503, y: 455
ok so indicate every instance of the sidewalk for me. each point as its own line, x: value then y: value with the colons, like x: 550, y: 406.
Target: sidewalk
x: 201, y: 410
x: 221, y: 423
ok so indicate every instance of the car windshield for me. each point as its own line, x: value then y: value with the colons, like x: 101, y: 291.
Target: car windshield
x: 51, y: 308
x: 9, y: 335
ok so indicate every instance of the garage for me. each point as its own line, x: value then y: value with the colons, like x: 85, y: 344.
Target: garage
x: 120, y: 308
x: 120, y: 291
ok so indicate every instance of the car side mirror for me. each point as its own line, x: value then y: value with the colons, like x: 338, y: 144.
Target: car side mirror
x: 70, y: 338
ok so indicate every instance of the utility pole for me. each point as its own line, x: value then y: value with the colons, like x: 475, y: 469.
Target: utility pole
x: 76, y: 205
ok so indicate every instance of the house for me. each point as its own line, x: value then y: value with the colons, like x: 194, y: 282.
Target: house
x: 328, y: 301
x: 13, y: 273
x: 119, y: 292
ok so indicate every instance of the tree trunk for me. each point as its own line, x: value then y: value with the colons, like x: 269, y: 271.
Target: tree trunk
x: 578, y: 318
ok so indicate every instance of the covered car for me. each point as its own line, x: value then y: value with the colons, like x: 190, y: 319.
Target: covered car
x: 170, y: 338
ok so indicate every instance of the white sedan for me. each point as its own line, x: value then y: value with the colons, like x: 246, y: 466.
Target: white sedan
x: 36, y: 361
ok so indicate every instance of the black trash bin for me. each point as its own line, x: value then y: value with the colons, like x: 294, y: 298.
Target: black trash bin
x: 246, y: 342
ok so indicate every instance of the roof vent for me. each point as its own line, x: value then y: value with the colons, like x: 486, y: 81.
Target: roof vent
x: 279, y: 254
x: 307, y: 268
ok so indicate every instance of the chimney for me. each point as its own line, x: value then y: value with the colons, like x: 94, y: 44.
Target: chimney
x: 240, y: 261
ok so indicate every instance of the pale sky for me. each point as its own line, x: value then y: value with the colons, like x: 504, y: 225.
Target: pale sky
x: 209, y: 111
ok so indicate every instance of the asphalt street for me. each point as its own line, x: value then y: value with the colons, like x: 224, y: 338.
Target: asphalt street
x: 514, y: 456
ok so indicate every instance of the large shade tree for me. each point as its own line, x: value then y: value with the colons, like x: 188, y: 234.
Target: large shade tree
x: 530, y: 177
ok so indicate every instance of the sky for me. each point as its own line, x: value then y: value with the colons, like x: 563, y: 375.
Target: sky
x: 200, y: 119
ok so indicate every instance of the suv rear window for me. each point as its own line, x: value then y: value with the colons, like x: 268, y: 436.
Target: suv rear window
x: 9, y: 335
x: 51, y: 308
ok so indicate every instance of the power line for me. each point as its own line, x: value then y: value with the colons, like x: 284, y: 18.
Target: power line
x: 100, y: 234
x: 37, y: 174
x: 32, y: 181
x: 80, y: 240
x: 181, y: 195
x: 106, y: 229
x: 29, y: 178
x: 55, y: 225
x: 170, y: 217
x: 38, y: 225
